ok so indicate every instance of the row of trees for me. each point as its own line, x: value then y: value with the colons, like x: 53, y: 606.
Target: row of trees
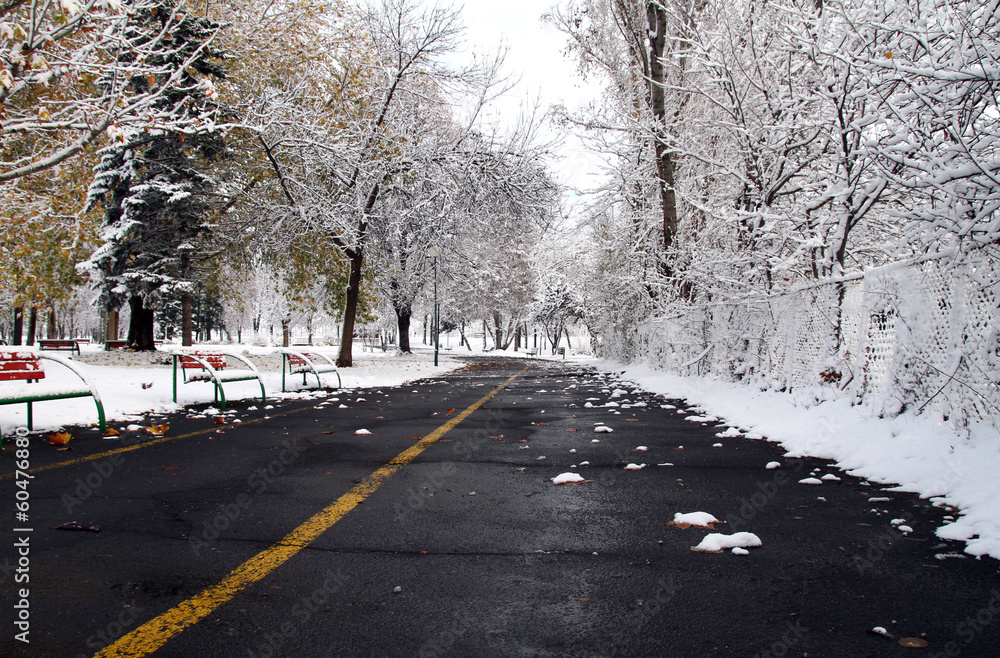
x: 755, y: 145
x: 324, y: 144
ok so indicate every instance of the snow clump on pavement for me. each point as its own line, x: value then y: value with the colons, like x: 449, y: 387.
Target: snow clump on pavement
x: 716, y: 541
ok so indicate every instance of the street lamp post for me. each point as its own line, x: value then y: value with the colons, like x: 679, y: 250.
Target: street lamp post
x: 434, y: 253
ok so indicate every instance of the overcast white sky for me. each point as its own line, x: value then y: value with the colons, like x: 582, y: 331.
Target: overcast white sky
x: 535, y: 55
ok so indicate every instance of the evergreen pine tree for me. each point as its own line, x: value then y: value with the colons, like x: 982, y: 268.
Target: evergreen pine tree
x: 155, y: 184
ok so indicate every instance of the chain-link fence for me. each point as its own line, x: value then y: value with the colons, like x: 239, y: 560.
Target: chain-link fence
x: 922, y: 337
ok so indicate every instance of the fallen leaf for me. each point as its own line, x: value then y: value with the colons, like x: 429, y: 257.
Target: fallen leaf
x: 220, y: 421
x: 415, y: 438
x: 573, y: 429
x: 914, y: 642
x: 112, y: 432
x: 76, y: 525
x: 157, y: 430
x: 452, y: 410
x: 169, y: 468
x: 59, y: 438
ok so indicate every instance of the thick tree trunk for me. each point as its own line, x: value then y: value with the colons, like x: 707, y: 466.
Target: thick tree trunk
x: 356, y: 259
x: 187, y: 323
x: 140, y: 326
x: 53, y: 328
x: 403, y: 315
x: 18, y: 335
x: 111, y: 326
x: 32, y: 325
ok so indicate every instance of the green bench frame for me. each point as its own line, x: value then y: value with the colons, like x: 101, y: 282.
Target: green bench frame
x: 213, y: 363
x: 20, y: 364
x: 294, y: 362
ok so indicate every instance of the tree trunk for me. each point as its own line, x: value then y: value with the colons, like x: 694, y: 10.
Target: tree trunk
x: 346, y: 359
x: 140, y: 326
x: 498, y: 337
x: 403, y: 315
x: 187, y: 323
x: 32, y: 325
x: 53, y: 328
x: 18, y: 335
x: 286, y: 331
x: 111, y: 326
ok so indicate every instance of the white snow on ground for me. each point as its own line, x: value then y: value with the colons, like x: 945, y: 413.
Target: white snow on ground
x: 123, y: 382
x: 920, y: 454
x: 567, y: 478
x: 702, y: 519
x: 719, y: 542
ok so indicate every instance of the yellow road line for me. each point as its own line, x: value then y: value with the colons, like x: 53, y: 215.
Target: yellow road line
x: 155, y: 633
x: 146, y: 444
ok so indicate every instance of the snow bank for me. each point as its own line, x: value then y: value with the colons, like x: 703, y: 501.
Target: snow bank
x: 919, y: 454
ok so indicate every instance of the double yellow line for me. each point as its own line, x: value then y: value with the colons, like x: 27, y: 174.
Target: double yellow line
x: 155, y: 633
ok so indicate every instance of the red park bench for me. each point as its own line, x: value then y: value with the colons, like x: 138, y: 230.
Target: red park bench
x: 303, y: 363
x: 21, y: 376
x: 59, y: 345
x: 212, y: 366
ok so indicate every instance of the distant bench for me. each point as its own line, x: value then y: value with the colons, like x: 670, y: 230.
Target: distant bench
x: 59, y: 345
x: 213, y: 366
x: 20, y: 381
x: 303, y: 363
x: 532, y: 352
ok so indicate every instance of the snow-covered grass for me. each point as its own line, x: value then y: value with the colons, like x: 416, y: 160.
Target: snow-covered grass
x: 133, y: 384
x: 919, y: 454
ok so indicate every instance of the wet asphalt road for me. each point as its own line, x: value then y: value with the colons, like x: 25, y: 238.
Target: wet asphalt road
x: 470, y: 549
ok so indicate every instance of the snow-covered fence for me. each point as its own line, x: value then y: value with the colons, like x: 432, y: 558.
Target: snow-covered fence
x: 904, y: 336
